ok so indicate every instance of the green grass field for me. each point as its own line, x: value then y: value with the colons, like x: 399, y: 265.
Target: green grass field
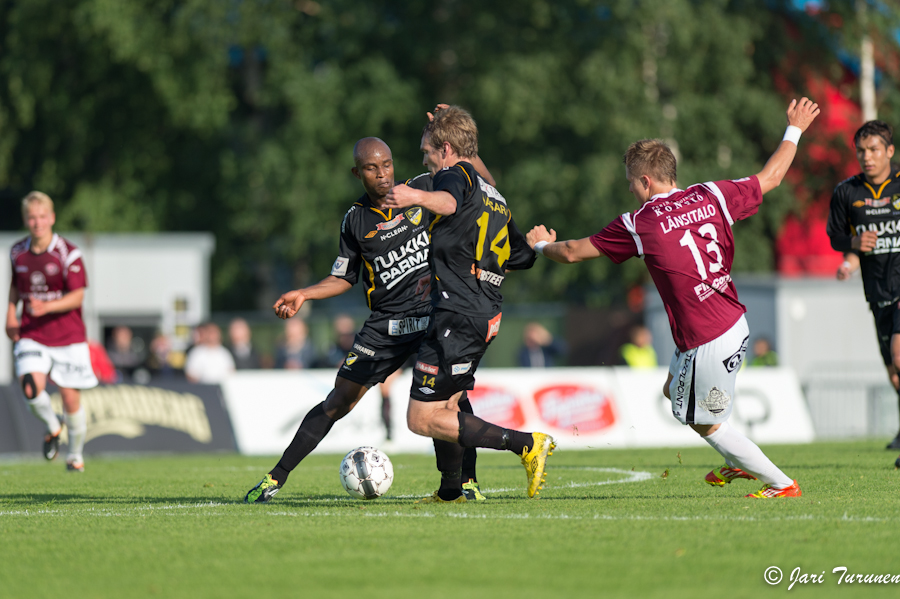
x: 608, y: 524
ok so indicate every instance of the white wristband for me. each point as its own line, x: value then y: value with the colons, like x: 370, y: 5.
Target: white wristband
x: 846, y: 264
x: 539, y: 247
x: 792, y: 134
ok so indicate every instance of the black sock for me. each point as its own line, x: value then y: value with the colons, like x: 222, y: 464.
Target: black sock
x: 449, y: 461
x: 313, y: 429
x: 386, y: 413
x: 475, y: 432
x: 470, y: 455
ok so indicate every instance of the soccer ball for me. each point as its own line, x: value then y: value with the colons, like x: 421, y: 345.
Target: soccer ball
x: 366, y: 473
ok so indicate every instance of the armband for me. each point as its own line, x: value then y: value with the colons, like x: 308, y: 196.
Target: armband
x: 792, y: 134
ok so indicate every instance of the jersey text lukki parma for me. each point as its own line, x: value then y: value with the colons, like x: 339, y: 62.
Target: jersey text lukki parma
x: 474, y: 247
x: 391, y: 247
x: 857, y: 206
x: 49, y: 276
x: 685, y: 239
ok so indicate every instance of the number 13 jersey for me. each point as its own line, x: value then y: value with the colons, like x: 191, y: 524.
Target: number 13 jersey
x: 472, y: 249
x: 685, y: 239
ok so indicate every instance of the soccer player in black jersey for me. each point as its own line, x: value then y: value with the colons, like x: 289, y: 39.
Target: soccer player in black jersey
x: 474, y: 242
x: 864, y: 223
x: 391, y: 246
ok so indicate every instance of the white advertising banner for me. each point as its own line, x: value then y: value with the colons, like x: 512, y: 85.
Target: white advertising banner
x: 584, y: 408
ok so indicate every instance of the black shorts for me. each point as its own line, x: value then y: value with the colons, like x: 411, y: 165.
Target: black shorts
x: 450, y: 354
x: 887, y: 324
x: 383, y: 345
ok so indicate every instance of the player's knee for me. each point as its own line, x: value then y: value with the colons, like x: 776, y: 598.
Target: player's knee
x: 29, y: 386
x: 416, y: 422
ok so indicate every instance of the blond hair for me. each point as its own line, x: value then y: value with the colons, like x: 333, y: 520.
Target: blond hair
x: 455, y: 126
x: 651, y: 157
x: 36, y: 197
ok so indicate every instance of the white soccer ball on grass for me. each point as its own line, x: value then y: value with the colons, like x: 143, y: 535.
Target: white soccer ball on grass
x: 366, y: 473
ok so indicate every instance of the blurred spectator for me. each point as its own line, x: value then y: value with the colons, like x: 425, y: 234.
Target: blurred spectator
x: 763, y: 354
x: 102, y: 366
x: 639, y: 352
x: 344, y: 335
x: 239, y: 334
x: 295, y: 352
x: 126, y: 351
x: 208, y: 361
x: 539, y: 350
x: 160, y: 360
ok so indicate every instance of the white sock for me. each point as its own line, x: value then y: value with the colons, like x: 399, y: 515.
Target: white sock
x: 77, y: 423
x: 41, y: 407
x: 746, y: 455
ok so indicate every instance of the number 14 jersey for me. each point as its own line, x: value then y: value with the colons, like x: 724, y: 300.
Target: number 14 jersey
x: 685, y: 239
x: 472, y: 249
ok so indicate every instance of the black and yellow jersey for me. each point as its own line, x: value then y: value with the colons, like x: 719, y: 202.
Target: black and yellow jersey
x: 472, y: 249
x: 857, y: 206
x: 392, y: 249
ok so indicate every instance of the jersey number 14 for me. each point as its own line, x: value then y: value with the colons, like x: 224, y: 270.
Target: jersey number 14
x: 502, y: 251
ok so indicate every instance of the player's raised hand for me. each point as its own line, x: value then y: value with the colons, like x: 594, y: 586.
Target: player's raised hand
x: 801, y: 114
x: 437, y: 109
x: 540, y: 233
x: 288, y: 304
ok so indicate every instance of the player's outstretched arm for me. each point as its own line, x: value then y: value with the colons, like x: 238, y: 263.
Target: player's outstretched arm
x: 404, y: 196
x: 800, y: 115
x: 289, y: 303
x: 66, y: 303
x: 565, y: 252
x: 12, y: 321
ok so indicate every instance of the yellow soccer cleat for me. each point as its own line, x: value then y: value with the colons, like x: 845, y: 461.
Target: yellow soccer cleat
x: 535, y: 461
x: 472, y: 491
x: 724, y: 475
x: 435, y: 498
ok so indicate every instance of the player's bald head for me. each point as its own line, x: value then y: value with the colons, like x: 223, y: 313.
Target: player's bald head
x: 369, y: 148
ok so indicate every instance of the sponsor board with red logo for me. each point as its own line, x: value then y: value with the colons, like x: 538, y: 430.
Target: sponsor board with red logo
x: 584, y: 408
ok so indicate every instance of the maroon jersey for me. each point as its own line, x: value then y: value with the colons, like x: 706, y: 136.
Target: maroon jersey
x: 49, y: 276
x: 685, y: 239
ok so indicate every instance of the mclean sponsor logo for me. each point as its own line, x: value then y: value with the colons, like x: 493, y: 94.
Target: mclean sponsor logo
x: 688, y: 218
x: 394, y: 266
x: 498, y: 406
x: 582, y: 407
x: 879, y: 211
x: 126, y: 410
x: 393, y: 233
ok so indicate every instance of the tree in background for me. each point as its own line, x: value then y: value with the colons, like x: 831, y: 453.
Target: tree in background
x: 239, y: 117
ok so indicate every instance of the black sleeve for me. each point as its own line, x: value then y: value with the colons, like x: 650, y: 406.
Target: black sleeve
x: 521, y: 256
x: 423, y: 182
x: 347, y: 264
x: 455, y: 181
x: 838, y: 228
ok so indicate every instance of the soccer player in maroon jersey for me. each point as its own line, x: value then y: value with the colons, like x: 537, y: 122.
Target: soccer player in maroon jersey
x: 685, y: 239
x: 49, y: 278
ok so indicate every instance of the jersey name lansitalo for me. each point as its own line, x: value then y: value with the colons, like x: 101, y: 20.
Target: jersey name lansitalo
x: 395, y: 265
x: 688, y: 218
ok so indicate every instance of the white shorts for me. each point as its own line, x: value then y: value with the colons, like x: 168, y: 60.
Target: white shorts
x: 68, y: 365
x: 702, y: 387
